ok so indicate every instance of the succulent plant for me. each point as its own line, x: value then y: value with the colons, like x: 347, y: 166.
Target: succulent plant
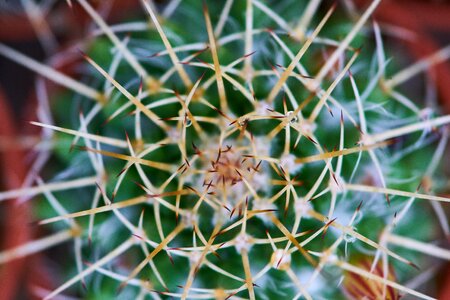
x: 238, y: 149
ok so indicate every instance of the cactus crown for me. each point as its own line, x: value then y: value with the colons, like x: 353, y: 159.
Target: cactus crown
x: 239, y: 150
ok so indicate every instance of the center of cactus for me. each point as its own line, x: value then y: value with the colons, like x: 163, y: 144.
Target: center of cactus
x: 229, y: 172
x: 228, y: 169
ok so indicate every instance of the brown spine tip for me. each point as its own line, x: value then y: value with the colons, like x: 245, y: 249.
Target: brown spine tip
x: 414, y: 266
x: 201, y: 76
x: 170, y: 258
x: 137, y: 236
x: 333, y: 6
x: 141, y: 84
x: 230, y: 295
x: 120, y: 288
x: 85, y: 56
x: 359, y: 205
x: 87, y: 263
x: 121, y: 172
x: 311, y: 139
x: 350, y: 73
x: 205, y: 7
x: 232, y: 212
x: 249, y: 54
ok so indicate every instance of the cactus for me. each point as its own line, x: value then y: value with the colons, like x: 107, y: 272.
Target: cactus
x: 239, y: 149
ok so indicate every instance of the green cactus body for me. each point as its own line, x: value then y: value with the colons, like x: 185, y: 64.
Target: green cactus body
x: 241, y: 150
